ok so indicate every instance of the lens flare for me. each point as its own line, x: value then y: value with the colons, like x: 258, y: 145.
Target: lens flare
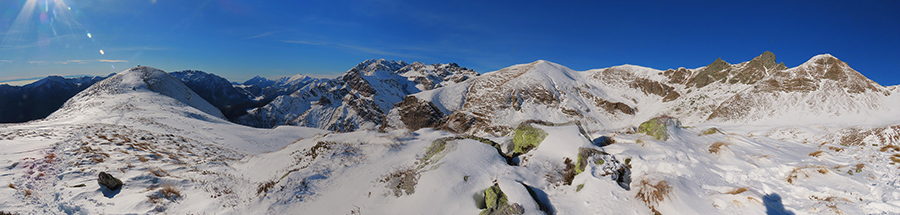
x: 89, y: 35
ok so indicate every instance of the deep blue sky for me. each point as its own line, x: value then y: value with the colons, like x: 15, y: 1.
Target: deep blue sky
x: 239, y: 39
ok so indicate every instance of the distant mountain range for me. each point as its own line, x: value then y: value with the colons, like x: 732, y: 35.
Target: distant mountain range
x: 394, y: 94
x: 390, y: 137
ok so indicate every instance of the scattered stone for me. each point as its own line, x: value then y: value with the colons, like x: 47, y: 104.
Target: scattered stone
x: 109, y: 181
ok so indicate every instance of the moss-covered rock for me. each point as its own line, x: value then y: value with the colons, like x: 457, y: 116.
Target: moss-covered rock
x: 440, y: 144
x: 497, y: 203
x: 657, y: 127
x: 586, y: 155
x: 526, y: 138
x: 709, y: 131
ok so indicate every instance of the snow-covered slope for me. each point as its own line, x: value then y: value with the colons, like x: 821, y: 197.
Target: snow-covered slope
x: 144, y: 127
x: 357, y: 99
x: 495, y: 102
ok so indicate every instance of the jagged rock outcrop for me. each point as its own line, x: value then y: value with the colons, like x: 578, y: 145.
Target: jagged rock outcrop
x: 359, y: 98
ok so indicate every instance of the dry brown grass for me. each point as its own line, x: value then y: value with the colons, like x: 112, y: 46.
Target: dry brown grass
x: 142, y: 159
x: 859, y: 167
x: 166, y: 191
x: 715, y: 147
x: 895, y: 158
x: 158, y: 172
x: 836, y: 149
x: 815, y: 153
x: 13, y: 186
x: 651, y: 194
x: 736, y: 191
x: 890, y: 147
x: 797, y: 172
x: 265, y: 187
x: 170, y: 191
x: 28, y: 193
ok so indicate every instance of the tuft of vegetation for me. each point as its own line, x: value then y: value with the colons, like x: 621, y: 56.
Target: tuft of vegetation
x: 736, y: 191
x: 815, y: 153
x: 13, y: 186
x: 167, y: 192
x: 526, y: 138
x: 7, y: 213
x: 579, y: 187
x: 890, y: 147
x: 709, y: 131
x: 651, y: 194
x: 264, y: 187
x: 797, y: 172
x: 403, y: 181
x: 158, y: 172
x: 859, y: 167
x: 896, y: 158
x: 715, y: 147
x: 569, y: 172
x: 497, y: 203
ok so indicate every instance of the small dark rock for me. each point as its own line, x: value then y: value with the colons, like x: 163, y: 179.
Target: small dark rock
x: 109, y: 181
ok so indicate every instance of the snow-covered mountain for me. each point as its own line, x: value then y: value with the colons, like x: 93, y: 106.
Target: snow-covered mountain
x: 231, y: 101
x: 822, y: 90
x: 534, y: 138
x: 264, y: 90
x: 39, y: 99
x: 357, y: 99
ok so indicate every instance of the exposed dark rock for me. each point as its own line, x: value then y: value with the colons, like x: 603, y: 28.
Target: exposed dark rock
x: 109, y: 181
x: 417, y: 114
x: 652, y: 87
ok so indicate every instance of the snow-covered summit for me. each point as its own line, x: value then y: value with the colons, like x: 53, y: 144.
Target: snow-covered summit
x: 128, y: 85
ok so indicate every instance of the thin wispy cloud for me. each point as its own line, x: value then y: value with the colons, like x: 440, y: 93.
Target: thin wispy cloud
x: 6, y: 61
x: 305, y: 42
x: 262, y: 35
x: 356, y: 48
x: 41, y: 62
x: 139, y: 48
x: 377, y: 51
x: 71, y: 61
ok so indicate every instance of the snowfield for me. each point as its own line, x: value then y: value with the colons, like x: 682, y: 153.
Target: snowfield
x: 177, y: 155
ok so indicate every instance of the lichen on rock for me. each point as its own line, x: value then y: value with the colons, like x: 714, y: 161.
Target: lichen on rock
x: 658, y: 127
x: 498, y: 204
x: 526, y: 137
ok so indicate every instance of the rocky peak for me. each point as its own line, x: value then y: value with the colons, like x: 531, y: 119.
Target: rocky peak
x: 368, y: 67
x: 747, y: 73
x: 828, y: 67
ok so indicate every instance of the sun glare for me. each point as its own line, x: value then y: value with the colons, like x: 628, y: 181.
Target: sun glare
x: 43, y: 24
